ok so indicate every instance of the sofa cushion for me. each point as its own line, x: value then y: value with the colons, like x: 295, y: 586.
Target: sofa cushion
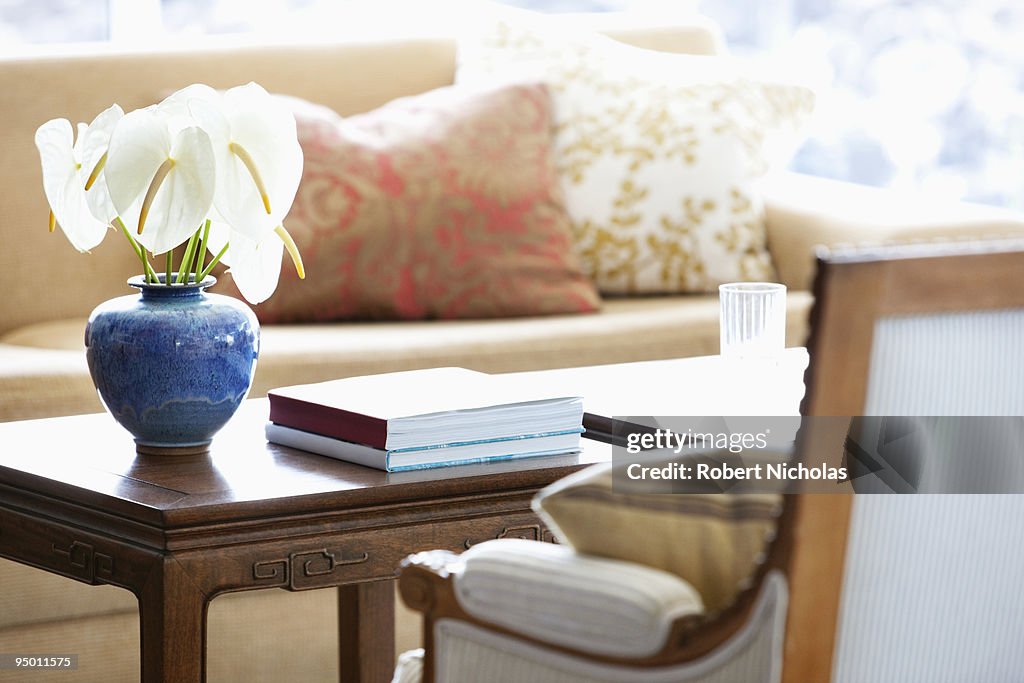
x: 440, y: 205
x: 713, y: 541
x: 43, y: 370
x: 659, y: 154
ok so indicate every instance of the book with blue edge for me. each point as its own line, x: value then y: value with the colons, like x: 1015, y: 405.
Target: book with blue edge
x: 425, y: 418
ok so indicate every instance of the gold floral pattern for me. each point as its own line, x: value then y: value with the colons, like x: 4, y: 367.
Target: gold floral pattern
x: 658, y: 153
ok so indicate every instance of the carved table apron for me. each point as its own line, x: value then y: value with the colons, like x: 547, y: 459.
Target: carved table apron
x: 76, y: 500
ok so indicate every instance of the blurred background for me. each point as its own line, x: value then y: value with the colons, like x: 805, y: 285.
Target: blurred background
x: 922, y: 95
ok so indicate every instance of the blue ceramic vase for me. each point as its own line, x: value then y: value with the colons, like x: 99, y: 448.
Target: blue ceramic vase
x: 173, y: 363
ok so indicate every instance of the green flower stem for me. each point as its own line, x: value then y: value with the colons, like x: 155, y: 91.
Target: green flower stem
x: 215, y: 261
x: 201, y: 251
x: 139, y: 251
x: 170, y: 267
x: 186, y: 259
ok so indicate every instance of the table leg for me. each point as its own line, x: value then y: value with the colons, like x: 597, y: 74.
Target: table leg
x: 172, y: 611
x: 366, y: 631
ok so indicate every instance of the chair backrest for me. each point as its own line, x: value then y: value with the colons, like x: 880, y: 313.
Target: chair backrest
x: 884, y: 586
x: 908, y: 328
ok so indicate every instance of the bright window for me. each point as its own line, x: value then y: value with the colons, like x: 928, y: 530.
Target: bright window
x: 53, y: 21
x: 924, y: 95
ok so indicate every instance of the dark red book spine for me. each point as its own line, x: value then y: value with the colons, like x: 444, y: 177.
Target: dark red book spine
x: 328, y: 421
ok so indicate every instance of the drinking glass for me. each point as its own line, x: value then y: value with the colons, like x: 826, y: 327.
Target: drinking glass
x: 753, y: 319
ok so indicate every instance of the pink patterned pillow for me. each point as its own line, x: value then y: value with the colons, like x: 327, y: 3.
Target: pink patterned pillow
x: 441, y: 205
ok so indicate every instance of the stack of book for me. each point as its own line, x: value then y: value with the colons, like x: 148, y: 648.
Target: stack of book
x: 424, y: 418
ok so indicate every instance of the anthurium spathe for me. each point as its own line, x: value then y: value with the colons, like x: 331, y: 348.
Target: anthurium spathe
x: 69, y: 166
x: 255, y: 265
x: 175, y: 108
x: 93, y: 155
x: 161, y: 183
x: 259, y: 160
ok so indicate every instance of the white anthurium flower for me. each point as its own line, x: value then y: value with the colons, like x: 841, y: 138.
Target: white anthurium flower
x: 259, y: 160
x: 68, y: 166
x: 255, y: 265
x: 161, y: 183
x: 93, y: 156
x: 175, y: 108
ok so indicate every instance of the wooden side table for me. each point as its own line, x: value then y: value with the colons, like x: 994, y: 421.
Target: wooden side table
x: 75, y: 500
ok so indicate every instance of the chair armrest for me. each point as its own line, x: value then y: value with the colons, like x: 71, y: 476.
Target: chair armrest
x: 554, y: 595
x: 803, y: 212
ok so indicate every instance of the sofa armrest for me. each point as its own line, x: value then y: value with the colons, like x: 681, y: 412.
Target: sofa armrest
x: 803, y: 212
x: 557, y: 596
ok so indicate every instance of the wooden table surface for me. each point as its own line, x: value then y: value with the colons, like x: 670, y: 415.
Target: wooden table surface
x: 76, y: 500
x: 243, y: 477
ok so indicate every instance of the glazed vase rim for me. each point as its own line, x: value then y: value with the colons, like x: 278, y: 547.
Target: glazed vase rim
x: 139, y: 281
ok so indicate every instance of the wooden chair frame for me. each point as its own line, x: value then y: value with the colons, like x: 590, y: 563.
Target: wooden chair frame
x: 426, y: 585
x: 854, y: 289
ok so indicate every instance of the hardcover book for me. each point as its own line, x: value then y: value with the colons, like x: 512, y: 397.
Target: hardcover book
x: 425, y: 408
x: 532, y: 445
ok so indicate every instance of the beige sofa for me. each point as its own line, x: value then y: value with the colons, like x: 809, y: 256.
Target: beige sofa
x: 48, y: 290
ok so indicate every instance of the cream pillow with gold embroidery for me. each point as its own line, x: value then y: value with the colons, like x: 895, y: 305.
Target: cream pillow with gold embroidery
x: 659, y: 154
